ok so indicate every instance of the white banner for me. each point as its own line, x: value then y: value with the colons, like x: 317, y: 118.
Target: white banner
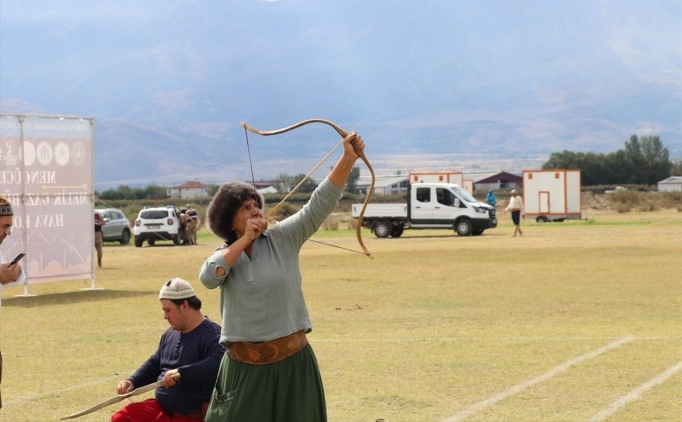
x: 46, y: 171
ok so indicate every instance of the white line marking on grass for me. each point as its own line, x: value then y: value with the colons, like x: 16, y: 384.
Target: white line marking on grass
x: 547, y: 375
x: 636, y: 393
x: 470, y: 339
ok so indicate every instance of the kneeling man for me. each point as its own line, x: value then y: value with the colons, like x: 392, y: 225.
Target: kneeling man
x: 189, y: 348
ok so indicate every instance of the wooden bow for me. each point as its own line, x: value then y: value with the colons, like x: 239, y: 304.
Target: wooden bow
x: 343, y: 134
x: 116, y: 399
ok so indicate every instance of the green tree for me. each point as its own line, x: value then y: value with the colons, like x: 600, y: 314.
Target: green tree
x: 352, y: 181
x: 213, y: 189
x: 307, y: 187
x: 643, y: 161
x: 283, y: 183
x: 154, y: 192
x: 656, y: 159
x: 676, y: 168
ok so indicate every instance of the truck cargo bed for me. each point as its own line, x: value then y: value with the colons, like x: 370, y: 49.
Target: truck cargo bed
x: 380, y: 210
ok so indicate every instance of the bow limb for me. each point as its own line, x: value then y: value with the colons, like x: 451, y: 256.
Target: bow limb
x: 116, y: 399
x: 292, y: 127
x: 343, y: 134
x: 358, y: 229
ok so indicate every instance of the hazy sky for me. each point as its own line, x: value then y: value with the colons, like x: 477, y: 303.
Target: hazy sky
x: 446, y: 76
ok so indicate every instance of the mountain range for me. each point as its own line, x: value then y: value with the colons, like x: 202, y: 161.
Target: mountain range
x: 430, y: 85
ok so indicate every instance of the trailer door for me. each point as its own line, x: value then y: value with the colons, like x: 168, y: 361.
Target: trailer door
x: 544, y: 202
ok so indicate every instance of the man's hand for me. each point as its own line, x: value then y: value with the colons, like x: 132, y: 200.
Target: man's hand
x: 170, y: 378
x: 124, y: 386
x: 9, y: 273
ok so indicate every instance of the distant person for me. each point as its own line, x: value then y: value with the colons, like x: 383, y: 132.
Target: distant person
x: 183, y: 226
x: 99, y: 222
x: 8, y: 273
x: 190, y: 348
x: 490, y: 198
x: 517, y: 211
x: 191, y: 231
x: 194, y: 215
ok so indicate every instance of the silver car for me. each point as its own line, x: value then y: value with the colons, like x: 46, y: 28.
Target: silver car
x: 116, y: 227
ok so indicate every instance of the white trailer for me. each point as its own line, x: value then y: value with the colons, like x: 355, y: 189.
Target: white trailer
x: 552, y: 195
x: 468, y: 186
x: 454, y: 177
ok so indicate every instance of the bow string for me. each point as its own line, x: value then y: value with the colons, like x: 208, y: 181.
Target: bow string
x: 343, y: 135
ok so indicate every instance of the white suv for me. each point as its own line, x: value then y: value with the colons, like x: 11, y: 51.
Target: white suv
x: 157, y: 224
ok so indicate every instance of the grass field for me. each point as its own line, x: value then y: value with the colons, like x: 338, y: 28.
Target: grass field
x: 574, y: 321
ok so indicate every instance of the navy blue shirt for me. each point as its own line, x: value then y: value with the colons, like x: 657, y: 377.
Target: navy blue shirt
x: 196, y: 355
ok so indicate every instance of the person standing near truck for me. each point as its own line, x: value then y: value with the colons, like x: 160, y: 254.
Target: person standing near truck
x: 490, y: 198
x: 517, y: 211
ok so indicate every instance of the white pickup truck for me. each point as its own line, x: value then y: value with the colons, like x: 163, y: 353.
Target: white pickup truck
x: 429, y: 206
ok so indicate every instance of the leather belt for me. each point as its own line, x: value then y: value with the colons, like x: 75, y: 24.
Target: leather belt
x: 269, y: 351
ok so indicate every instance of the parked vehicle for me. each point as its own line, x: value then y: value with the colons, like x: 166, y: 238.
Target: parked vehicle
x: 552, y: 195
x: 157, y: 224
x: 116, y: 226
x: 429, y: 206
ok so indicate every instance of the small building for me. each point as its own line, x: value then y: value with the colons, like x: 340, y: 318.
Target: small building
x: 384, y: 185
x: 494, y: 180
x: 191, y: 189
x: 671, y: 184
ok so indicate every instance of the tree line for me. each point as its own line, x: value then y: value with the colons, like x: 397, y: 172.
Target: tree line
x: 283, y: 183
x: 643, y: 161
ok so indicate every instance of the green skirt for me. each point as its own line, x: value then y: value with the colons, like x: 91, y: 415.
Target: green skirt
x: 289, y: 390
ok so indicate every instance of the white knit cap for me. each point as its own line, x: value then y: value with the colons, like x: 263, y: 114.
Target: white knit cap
x: 176, y: 288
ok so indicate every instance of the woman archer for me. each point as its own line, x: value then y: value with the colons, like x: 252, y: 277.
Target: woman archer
x: 269, y: 371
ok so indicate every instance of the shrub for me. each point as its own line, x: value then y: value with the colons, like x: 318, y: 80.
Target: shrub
x: 671, y: 199
x: 621, y: 207
x: 629, y: 197
x: 647, y: 205
x: 331, y: 223
x: 284, y: 211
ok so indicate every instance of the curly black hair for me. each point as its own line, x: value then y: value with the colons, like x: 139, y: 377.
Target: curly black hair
x: 220, y: 212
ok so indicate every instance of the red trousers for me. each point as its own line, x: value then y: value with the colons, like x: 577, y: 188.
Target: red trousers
x: 146, y: 411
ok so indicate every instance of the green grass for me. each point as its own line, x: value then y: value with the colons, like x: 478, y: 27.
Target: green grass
x: 433, y: 325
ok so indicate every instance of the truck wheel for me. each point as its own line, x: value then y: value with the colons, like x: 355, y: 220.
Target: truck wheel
x: 542, y: 219
x: 177, y: 240
x: 138, y: 243
x: 151, y: 242
x: 397, y: 231
x: 464, y: 227
x: 478, y: 232
x: 382, y: 229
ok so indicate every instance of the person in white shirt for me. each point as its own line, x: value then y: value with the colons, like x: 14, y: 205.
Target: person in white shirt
x: 517, y: 211
x: 9, y: 273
